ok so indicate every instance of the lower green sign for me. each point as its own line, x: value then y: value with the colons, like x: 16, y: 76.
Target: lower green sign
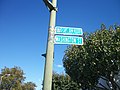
x: 68, y: 40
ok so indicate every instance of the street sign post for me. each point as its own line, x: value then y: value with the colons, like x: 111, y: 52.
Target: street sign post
x: 47, y: 81
x: 68, y: 40
x: 68, y: 30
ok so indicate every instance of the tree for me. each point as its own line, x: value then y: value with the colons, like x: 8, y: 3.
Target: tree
x: 63, y: 82
x: 28, y: 86
x: 12, y: 79
x: 99, y: 57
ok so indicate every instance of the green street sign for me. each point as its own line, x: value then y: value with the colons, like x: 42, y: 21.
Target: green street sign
x: 68, y: 40
x: 68, y: 30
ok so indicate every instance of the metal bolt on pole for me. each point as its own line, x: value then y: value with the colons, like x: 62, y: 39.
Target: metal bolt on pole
x: 47, y: 82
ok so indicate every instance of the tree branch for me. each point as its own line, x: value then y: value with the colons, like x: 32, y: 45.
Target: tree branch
x: 103, y: 86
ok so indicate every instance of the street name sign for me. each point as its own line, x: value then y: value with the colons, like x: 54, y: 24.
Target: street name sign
x: 68, y: 30
x: 68, y: 40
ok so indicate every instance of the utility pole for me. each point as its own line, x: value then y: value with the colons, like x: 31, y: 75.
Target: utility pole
x: 47, y: 83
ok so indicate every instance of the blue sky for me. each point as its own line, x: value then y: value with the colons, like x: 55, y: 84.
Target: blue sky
x: 24, y: 28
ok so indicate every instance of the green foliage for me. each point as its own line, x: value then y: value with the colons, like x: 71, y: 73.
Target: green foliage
x: 28, y: 86
x: 99, y: 56
x: 63, y: 82
x: 12, y: 79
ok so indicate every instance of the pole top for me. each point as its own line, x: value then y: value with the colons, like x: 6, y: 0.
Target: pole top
x: 49, y: 5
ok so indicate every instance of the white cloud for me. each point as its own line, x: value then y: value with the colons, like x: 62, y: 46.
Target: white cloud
x: 59, y: 66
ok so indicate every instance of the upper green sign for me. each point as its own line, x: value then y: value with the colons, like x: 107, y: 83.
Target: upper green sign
x: 68, y: 30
